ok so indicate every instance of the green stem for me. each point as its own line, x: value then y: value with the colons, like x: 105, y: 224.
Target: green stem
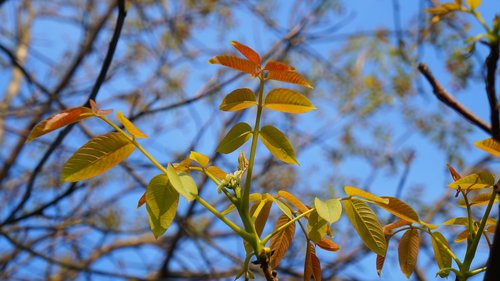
x: 476, y: 271
x: 268, y: 237
x: 470, y: 219
x: 481, y: 21
x: 471, y: 252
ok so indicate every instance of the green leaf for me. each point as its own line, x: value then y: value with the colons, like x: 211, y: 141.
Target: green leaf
x: 283, y: 207
x: 59, y: 120
x: 236, y: 137
x: 354, y: 191
x: 97, y: 156
x: 408, y: 251
x: 161, y: 203
x: 183, y: 183
x: 366, y: 224
x: 260, y: 213
x: 280, y: 242
x: 286, y: 100
x: 443, y: 257
x: 317, y: 227
x: 238, y: 99
x: 329, y: 210
x: 129, y: 126
x: 277, y: 143
x: 474, y: 181
x: 400, y: 209
x: 489, y: 145
x: 199, y: 158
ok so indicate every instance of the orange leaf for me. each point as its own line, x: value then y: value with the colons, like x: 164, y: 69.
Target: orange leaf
x: 278, y: 66
x: 290, y: 77
x: 293, y: 200
x: 236, y: 63
x: 280, y: 242
x: 328, y: 245
x: 380, y: 264
x: 312, y: 267
x: 387, y: 229
x: 408, y: 251
x: 456, y: 176
x: 142, y: 200
x: 248, y: 52
x: 59, y: 120
x: 462, y: 236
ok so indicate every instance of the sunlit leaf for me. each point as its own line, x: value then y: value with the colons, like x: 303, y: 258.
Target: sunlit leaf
x: 317, y: 227
x: 286, y: 100
x: 59, y: 120
x: 237, y: 63
x: 290, y: 77
x: 129, y: 126
x: 312, y: 266
x: 201, y: 159
x: 329, y: 210
x: 443, y: 257
x: 408, y: 251
x: 474, y: 181
x: 216, y: 172
x: 161, y: 203
x: 379, y: 264
x: 97, y: 111
x: 238, y: 99
x: 473, y: 4
x: 183, y: 183
x: 236, y: 137
x: 293, y: 200
x: 283, y: 207
x: 260, y: 213
x: 142, y: 200
x: 328, y: 245
x: 462, y: 236
x: 489, y: 145
x: 400, y: 209
x: 278, y: 66
x: 354, y: 191
x: 280, y: 242
x: 388, y: 228
x: 97, y: 156
x: 183, y: 166
x: 248, y: 52
x: 278, y: 144
x: 366, y: 224
x: 491, y: 228
x: 457, y: 221
x: 482, y: 199
x: 454, y: 175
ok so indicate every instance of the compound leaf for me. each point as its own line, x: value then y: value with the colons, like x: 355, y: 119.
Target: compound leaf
x: 278, y: 144
x: 97, y: 156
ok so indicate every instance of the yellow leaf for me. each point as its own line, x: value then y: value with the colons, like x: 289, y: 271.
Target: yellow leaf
x: 354, y: 191
x: 317, y: 227
x: 328, y: 245
x: 161, y: 203
x: 489, y: 145
x: 400, y: 209
x: 237, y: 63
x: 217, y: 172
x: 366, y: 224
x: 248, y: 52
x: 183, y: 183
x: 286, y: 100
x: 201, y: 159
x: 280, y: 242
x: 474, y: 181
x: 457, y: 221
x: 294, y: 201
x: 129, y: 126
x: 408, y: 251
x: 278, y: 144
x: 330, y: 210
x: 97, y: 156
x: 443, y: 257
x: 462, y: 236
x: 236, y: 137
x: 290, y: 77
x: 59, y: 120
x: 473, y: 4
x: 260, y: 213
x: 238, y: 99
x: 388, y: 228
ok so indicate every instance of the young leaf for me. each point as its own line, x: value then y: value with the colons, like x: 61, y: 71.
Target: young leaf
x: 216, y: 172
x: 248, y: 52
x: 129, y: 126
x: 290, y: 77
x: 454, y: 174
x: 278, y: 66
x: 201, y: 159
x: 293, y: 200
x: 474, y: 181
x: 329, y: 210
x: 387, y: 228
x: 183, y: 183
x: 408, y: 251
x: 236, y: 137
x: 142, y: 200
x: 457, y: 221
x: 97, y: 156
x: 317, y: 227
x: 328, y: 245
x: 354, y: 191
x: 59, y: 120
x: 277, y: 143
x: 161, y: 203
x: 489, y: 145
x: 238, y: 99
x: 481, y: 199
x: 474, y: 4
x: 380, y: 264
x: 400, y: 209
x: 280, y: 242
x: 237, y: 63
x: 286, y: 100
x: 283, y: 207
x: 312, y: 267
x: 443, y: 257
x: 366, y: 224
x: 462, y: 236
x: 260, y: 212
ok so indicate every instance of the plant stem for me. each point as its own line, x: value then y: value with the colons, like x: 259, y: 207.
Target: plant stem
x: 470, y: 219
x: 268, y: 237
